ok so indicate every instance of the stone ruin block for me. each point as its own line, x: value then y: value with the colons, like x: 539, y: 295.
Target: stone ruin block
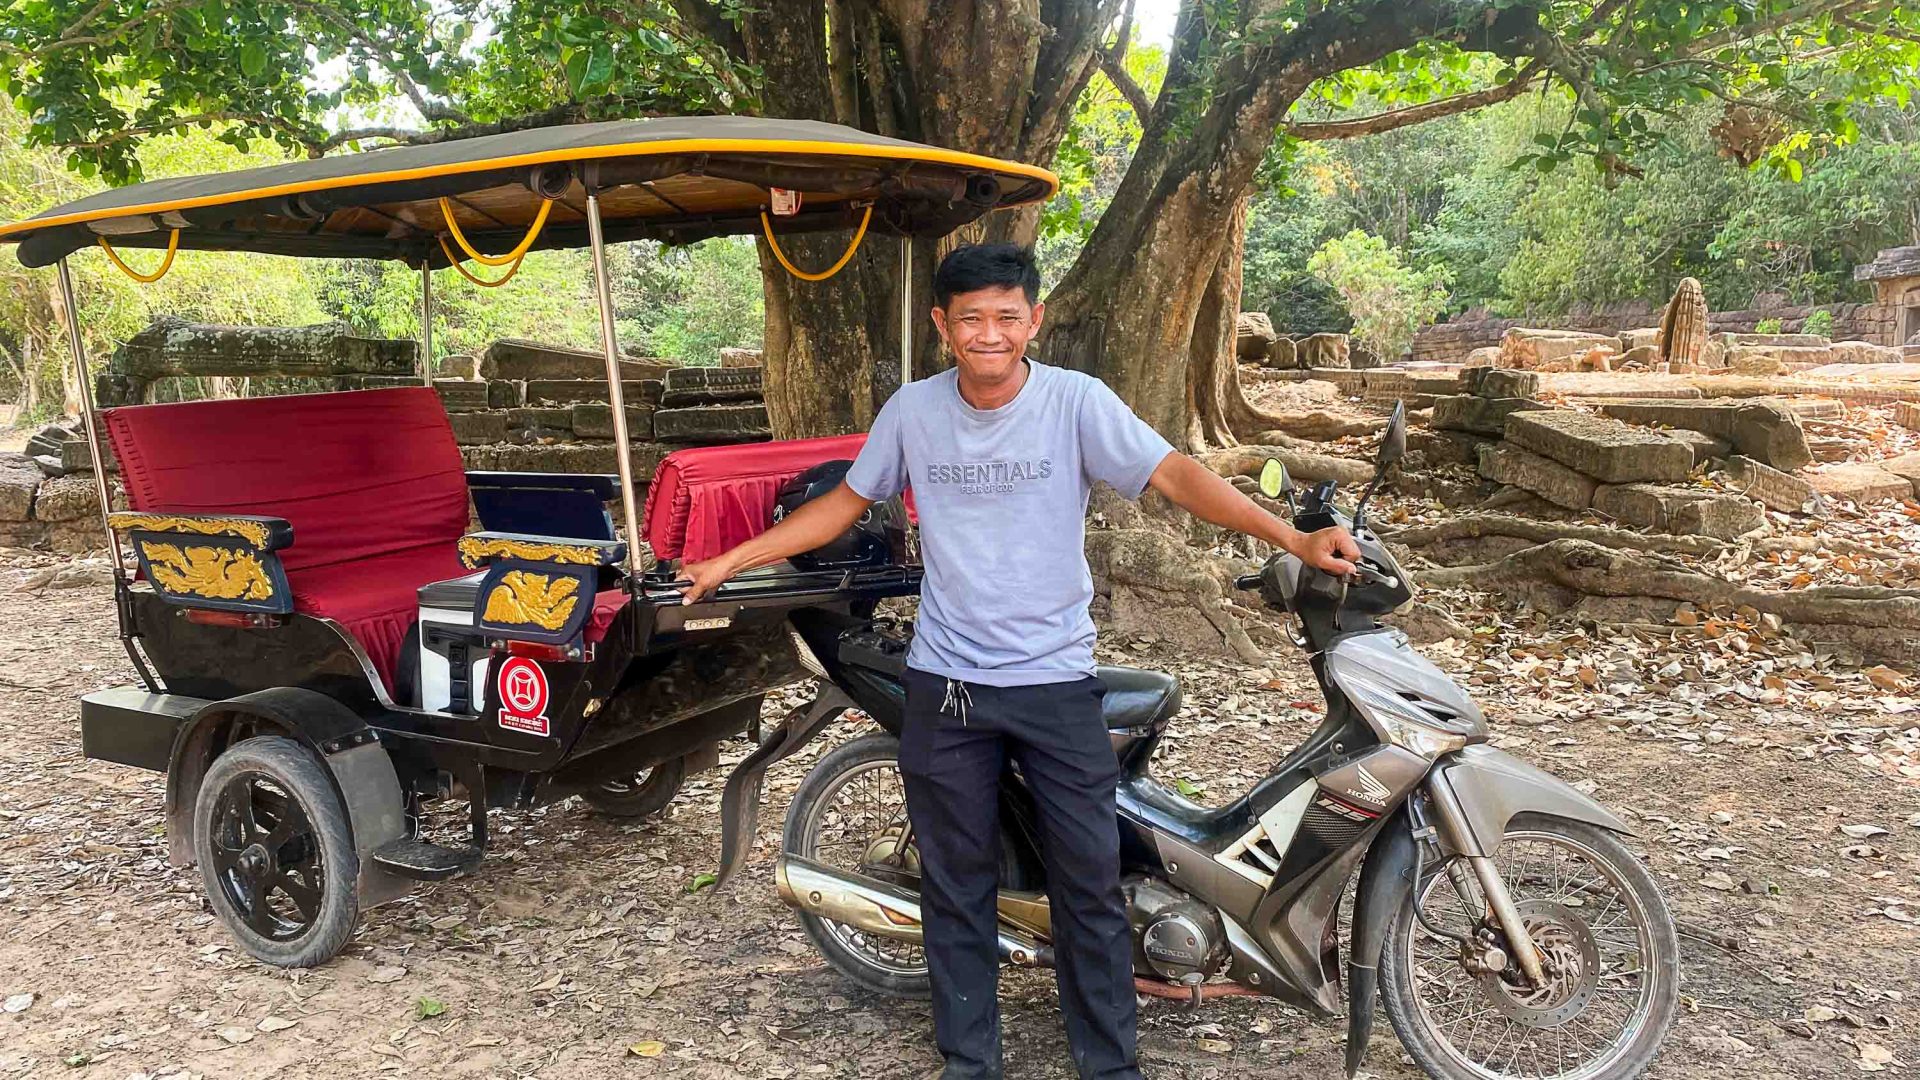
x: 1485, y: 356
x: 1905, y: 466
x: 1531, y: 349
x: 575, y: 391
x: 1500, y: 383
x: 1482, y: 416
x: 1601, y: 447
x: 528, y: 361
x: 1282, y: 355
x: 739, y: 358
x: 1433, y: 385
x: 461, y: 395
x: 596, y: 422
x: 19, y: 479
x: 574, y: 457
x: 1328, y: 351
x: 1506, y: 463
x: 712, y: 386
x: 1907, y: 415
x: 1865, y: 352
x: 1760, y: 430
x: 1645, y: 337
x: 172, y: 347
x: 712, y: 424
x: 1680, y: 511
x: 1774, y: 489
x: 478, y: 428
x: 1860, y: 483
x: 1252, y: 336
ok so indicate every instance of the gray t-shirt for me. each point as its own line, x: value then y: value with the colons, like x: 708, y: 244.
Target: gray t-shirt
x: 1002, y: 500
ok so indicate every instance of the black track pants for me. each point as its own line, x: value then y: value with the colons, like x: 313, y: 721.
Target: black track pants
x: 956, y: 739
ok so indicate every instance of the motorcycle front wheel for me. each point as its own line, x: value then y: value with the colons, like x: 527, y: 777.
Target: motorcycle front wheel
x: 1613, y: 965
x: 850, y: 813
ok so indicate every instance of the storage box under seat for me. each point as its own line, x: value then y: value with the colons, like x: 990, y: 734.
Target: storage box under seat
x: 453, y: 655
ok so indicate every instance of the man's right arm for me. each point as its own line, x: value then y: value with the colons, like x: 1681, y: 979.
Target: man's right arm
x: 807, y: 528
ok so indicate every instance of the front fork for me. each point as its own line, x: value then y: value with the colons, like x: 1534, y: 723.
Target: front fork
x: 1449, y: 824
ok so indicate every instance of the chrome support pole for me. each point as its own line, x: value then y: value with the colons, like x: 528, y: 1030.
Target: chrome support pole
x: 86, y: 419
x: 1525, y: 952
x: 906, y: 310
x: 426, y: 321
x: 616, y: 392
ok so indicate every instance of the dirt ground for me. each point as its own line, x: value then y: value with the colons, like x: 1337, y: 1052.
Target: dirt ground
x: 578, y: 940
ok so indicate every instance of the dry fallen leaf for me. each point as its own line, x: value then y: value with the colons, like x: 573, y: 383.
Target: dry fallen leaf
x: 1820, y: 1014
x: 1874, y: 1057
x: 1863, y: 832
x: 650, y: 1048
x: 550, y: 981
x: 1718, y: 880
x: 235, y: 1035
x: 275, y: 1023
x: 1216, y: 1046
x: 387, y: 974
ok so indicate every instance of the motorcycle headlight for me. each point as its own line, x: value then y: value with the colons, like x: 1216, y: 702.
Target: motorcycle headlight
x: 1403, y: 723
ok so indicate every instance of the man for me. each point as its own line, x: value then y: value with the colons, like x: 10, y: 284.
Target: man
x: 1001, y: 452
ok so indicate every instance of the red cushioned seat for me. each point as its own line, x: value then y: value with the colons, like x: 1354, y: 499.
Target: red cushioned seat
x: 707, y: 499
x: 371, y: 481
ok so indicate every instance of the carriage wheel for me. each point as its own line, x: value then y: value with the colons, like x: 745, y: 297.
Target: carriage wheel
x: 644, y: 794
x: 276, y: 852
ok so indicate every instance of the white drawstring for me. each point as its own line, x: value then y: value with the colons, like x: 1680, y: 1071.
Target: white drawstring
x: 958, y: 702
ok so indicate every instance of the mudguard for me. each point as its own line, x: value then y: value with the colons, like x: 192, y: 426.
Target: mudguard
x: 740, y: 802
x: 1386, y: 886
x: 362, y: 771
x: 1487, y: 787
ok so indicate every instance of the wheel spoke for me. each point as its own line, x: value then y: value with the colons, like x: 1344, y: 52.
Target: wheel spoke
x: 305, y: 897
x: 239, y: 793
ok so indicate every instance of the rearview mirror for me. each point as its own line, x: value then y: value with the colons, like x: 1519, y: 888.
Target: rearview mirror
x: 1274, y: 481
x: 1393, y: 445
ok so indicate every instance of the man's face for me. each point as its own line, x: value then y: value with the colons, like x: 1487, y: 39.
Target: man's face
x: 988, y: 329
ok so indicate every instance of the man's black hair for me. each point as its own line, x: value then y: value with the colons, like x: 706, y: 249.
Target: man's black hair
x: 986, y: 266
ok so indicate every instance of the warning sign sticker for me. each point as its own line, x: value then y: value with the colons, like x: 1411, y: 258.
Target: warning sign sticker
x: 523, y: 696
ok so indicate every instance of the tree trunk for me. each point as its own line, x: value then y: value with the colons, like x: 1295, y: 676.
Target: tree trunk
x: 998, y: 78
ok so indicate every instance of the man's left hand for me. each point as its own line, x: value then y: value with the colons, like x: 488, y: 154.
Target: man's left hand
x: 1331, y: 549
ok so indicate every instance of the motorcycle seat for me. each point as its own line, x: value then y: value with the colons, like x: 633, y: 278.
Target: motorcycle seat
x: 1137, y: 698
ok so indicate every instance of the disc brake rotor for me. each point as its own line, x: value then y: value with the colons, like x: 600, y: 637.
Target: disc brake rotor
x: 1572, y: 961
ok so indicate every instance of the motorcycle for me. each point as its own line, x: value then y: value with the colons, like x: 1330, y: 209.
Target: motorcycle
x: 1498, y: 918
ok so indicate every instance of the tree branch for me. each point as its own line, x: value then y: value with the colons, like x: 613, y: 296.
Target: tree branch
x: 430, y: 110
x: 1316, y: 130
x: 1116, y: 73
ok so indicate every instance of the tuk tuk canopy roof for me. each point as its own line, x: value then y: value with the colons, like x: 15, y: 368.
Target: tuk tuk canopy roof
x: 675, y: 179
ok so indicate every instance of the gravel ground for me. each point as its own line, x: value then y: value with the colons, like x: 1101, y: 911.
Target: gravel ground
x: 578, y: 944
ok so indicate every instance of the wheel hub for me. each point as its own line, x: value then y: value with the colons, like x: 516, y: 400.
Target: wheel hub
x: 1571, y: 962
x: 255, y: 861
x: 885, y: 855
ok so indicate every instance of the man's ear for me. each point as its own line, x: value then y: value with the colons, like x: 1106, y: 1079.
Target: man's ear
x: 1039, y: 314
x: 940, y: 324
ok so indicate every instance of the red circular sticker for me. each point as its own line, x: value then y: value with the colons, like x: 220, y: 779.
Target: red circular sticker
x: 523, y: 688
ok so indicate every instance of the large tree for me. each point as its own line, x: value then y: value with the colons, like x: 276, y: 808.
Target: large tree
x: 1145, y: 304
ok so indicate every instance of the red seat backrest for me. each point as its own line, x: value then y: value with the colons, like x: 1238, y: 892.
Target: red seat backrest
x: 706, y: 499
x: 360, y: 474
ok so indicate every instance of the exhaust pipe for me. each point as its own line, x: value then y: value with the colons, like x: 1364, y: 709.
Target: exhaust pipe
x: 876, y: 907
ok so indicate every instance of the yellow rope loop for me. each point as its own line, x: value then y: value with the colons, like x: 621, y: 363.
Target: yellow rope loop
x: 514, y: 256
x: 845, y: 257
x: 166, y: 264
x: 469, y: 275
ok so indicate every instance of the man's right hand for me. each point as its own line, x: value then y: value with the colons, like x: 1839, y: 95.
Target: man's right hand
x: 706, y: 575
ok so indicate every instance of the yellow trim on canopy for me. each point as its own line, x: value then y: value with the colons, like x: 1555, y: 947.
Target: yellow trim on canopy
x: 858, y: 235
x: 576, y: 153
x: 510, y: 258
x: 166, y: 264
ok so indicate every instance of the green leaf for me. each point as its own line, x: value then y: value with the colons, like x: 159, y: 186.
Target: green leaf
x: 253, y: 59
x: 427, y: 1008
x: 1187, y: 787
x: 701, y: 881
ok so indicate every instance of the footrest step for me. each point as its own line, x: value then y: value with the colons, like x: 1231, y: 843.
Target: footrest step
x: 422, y: 861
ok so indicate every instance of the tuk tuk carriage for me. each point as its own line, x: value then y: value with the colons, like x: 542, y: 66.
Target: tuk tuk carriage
x: 323, y: 644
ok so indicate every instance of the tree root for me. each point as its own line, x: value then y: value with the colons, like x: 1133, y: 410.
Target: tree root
x: 1318, y: 425
x: 1555, y: 574
x: 1481, y: 526
x: 1302, y: 465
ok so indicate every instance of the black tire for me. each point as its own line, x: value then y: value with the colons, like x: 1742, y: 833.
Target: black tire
x: 645, y: 794
x: 900, y: 980
x: 281, y: 872
x: 1655, y: 947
